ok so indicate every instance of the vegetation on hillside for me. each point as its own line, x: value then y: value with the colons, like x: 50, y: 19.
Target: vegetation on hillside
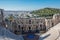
x: 46, y: 12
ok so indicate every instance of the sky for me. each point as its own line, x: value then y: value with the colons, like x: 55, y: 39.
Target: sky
x: 28, y: 4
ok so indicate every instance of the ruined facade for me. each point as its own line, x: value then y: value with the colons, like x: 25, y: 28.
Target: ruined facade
x: 34, y: 24
x: 24, y: 25
x: 30, y: 24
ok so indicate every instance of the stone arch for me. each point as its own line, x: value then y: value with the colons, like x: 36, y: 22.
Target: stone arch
x: 29, y: 21
x: 18, y: 26
x: 22, y: 28
x: 40, y: 27
x: 29, y: 28
x: 37, y: 30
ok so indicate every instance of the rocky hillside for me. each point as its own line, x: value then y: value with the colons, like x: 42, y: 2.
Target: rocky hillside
x: 46, y: 12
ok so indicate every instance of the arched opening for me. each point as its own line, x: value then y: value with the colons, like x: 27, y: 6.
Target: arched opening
x: 22, y: 30
x: 40, y: 27
x: 44, y: 28
x: 37, y: 30
x: 52, y: 24
x: 29, y: 21
x: 29, y: 29
x: 19, y: 27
